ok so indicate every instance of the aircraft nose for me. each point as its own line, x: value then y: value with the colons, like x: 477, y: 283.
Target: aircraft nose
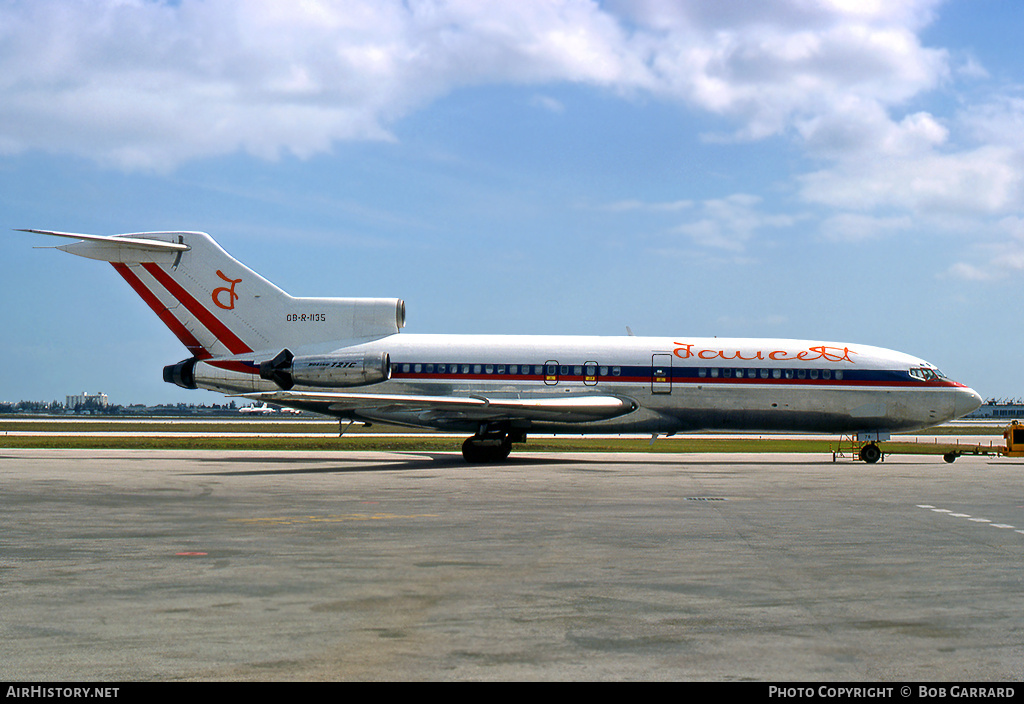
x: 967, y: 401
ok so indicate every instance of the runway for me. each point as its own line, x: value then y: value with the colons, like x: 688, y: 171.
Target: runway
x: 209, y: 565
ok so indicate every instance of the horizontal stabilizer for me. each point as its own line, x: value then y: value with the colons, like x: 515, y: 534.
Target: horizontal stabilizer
x: 136, y: 241
x: 135, y: 248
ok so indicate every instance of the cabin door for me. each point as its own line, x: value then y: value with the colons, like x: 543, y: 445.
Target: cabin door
x: 661, y: 373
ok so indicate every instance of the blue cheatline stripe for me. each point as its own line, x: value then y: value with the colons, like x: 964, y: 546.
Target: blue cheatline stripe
x: 678, y: 375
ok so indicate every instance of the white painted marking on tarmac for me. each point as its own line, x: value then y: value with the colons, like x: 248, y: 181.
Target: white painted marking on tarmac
x: 979, y: 521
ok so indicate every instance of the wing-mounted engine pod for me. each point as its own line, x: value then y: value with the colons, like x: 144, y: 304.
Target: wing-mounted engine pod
x: 328, y: 370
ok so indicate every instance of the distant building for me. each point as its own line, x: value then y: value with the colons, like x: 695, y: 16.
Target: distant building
x: 99, y: 399
x: 1004, y: 410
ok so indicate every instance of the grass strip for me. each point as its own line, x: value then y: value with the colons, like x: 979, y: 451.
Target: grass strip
x: 426, y: 443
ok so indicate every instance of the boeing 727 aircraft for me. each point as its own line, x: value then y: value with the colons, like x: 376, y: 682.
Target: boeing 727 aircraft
x: 248, y: 337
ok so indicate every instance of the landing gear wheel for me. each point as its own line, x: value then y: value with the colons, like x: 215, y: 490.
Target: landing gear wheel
x: 870, y: 453
x: 478, y: 450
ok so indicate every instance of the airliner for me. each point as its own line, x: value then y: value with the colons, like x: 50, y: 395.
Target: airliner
x: 263, y: 410
x: 346, y: 358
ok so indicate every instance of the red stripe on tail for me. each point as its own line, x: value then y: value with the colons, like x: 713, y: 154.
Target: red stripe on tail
x: 179, y: 330
x: 210, y: 321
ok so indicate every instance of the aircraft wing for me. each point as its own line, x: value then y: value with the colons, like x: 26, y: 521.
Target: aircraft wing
x: 430, y: 409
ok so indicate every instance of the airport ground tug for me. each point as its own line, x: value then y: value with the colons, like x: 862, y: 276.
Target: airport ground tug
x: 867, y: 451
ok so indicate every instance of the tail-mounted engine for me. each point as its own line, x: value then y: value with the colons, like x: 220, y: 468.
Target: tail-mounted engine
x: 183, y: 374
x: 279, y: 369
x: 333, y: 370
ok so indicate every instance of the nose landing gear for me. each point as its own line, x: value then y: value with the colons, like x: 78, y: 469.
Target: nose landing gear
x: 870, y: 453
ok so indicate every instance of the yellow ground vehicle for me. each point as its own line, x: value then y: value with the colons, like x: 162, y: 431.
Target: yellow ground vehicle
x: 1014, y: 435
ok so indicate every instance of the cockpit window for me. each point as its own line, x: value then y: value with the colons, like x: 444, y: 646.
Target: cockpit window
x: 926, y: 373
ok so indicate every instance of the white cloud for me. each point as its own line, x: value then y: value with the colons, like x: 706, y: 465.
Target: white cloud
x: 546, y: 102
x: 730, y: 223
x: 768, y: 64
x: 985, y: 180
x: 998, y: 257
x: 150, y: 85
x: 648, y: 207
x: 140, y: 84
x: 999, y: 121
x: 857, y: 227
x: 145, y: 84
x: 971, y: 272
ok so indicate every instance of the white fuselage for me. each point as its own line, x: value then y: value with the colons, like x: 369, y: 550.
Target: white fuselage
x: 678, y: 384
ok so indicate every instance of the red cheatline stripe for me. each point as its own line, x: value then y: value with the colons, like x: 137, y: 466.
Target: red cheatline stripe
x: 230, y: 340
x: 232, y: 366
x: 179, y: 330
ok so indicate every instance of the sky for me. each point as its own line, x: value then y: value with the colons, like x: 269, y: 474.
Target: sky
x: 834, y: 170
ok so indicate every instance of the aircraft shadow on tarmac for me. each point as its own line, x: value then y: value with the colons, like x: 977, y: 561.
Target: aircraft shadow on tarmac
x: 291, y: 465
x: 393, y: 462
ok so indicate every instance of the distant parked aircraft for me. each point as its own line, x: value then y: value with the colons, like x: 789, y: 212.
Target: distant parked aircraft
x: 261, y: 410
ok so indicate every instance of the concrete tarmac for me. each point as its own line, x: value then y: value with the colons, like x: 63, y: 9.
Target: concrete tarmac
x: 209, y: 565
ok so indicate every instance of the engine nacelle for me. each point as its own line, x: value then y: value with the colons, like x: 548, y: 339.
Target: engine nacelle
x: 182, y: 374
x: 356, y: 369
x: 332, y: 370
x: 222, y: 376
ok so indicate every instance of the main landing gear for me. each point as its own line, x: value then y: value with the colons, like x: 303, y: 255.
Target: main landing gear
x: 490, y: 445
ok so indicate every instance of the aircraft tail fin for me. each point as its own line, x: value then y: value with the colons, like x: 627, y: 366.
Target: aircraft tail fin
x: 217, y: 306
